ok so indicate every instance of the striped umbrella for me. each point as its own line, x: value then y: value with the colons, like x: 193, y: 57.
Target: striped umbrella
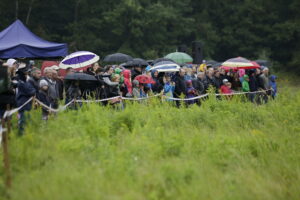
x: 255, y: 65
x: 238, y: 63
x: 79, y: 59
x: 166, y: 66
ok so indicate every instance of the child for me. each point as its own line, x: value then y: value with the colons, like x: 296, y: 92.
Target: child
x: 245, y: 83
x: 169, y: 87
x: 190, y: 92
x: 226, y: 87
x: 273, y: 86
x: 44, y: 98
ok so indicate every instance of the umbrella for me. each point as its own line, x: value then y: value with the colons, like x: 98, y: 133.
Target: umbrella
x: 78, y: 59
x: 80, y: 77
x: 117, y: 58
x: 166, y: 66
x: 161, y: 59
x: 144, y: 79
x: 136, y: 62
x: 239, y: 63
x: 255, y: 65
x: 180, y: 57
x: 150, y: 62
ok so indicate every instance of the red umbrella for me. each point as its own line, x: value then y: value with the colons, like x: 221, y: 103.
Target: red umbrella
x: 144, y: 79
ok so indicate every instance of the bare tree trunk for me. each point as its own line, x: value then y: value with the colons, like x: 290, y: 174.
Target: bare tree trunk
x: 76, y: 10
x: 17, y: 9
x: 29, y: 11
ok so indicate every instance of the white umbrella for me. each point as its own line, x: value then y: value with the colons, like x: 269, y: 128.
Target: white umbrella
x: 79, y: 59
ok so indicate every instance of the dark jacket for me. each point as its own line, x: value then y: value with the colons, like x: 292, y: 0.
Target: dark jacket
x: 218, y: 82
x: 180, y: 86
x: 34, y: 83
x: 44, y: 98
x: 157, y: 87
x: 60, y: 88
x: 134, y: 73
x: 198, y: 85
x: 210, y: 82
x: 253, y: 84
x: 24, y: 93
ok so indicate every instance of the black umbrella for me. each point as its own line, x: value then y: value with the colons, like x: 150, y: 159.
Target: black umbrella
x: 117, y: 58
x: 211, y: 62
x: 150, y: 62
x: 80, y: 77
x: 161, y: 59
x: 136, y: 62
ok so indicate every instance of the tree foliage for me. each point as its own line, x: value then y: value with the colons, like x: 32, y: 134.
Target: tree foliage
x: 152, y: 28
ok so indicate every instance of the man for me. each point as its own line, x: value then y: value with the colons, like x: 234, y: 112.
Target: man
x: 25, y: 91
x: 59, y: 83
x: 35, y: 78
x: 180, y: 86
x: 210, y: 77
x: 253, y: 84
x: 52, y: 91
x: 264, y: 79
x: 218, y: 82
x: 264, y: 83
x: 198, y: 83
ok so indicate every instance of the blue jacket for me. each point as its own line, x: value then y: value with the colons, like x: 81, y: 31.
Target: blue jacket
x: 273, y: 84
x: 24, y: 93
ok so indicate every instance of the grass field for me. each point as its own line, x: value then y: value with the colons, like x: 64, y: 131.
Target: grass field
x: 221, y: 150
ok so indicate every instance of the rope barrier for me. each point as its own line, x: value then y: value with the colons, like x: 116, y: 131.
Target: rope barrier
x: 11, y: 112
x: 63, y: 108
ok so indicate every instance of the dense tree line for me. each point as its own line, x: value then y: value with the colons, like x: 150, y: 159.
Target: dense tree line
x: 152, y: 28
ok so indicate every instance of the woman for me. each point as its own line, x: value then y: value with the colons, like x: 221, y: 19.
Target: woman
x: 92, y: 70
x: 157, y: 86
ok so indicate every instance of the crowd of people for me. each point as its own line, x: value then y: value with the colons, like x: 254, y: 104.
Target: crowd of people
x: 24, y: 81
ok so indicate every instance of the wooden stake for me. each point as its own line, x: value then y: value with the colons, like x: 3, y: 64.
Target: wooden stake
x: 7, y: 176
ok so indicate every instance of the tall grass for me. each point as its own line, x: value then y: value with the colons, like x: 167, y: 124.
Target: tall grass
x: 221, y: 150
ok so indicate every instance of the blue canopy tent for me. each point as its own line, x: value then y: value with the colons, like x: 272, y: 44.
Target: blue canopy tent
x: 17, y: 41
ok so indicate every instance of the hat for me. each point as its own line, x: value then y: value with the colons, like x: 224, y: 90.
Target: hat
x: 265, y: 68
x: 148, y: 68
x: 23, y: 67
x: 10, y: 62
x: 135, y: 82
x: 43, y: 83
x: 225, y: 80
x: 55, y: 67
x: 118, y: 70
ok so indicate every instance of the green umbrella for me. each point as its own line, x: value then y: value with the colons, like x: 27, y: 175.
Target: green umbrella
x: 180, y: 57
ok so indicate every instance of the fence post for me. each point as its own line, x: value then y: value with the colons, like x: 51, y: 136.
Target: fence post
x: 7, y: 176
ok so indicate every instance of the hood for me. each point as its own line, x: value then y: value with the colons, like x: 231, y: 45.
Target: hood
x: 273, y: 78
x: 152, y: 73
x: 126, y: 74
x: 246, y: 77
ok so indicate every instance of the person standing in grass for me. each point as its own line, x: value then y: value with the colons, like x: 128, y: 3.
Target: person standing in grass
x: 190, y: 92
x: 44, y: 98
x: 169, y: 87
x: 226, y: 87
x: 273, y: 86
